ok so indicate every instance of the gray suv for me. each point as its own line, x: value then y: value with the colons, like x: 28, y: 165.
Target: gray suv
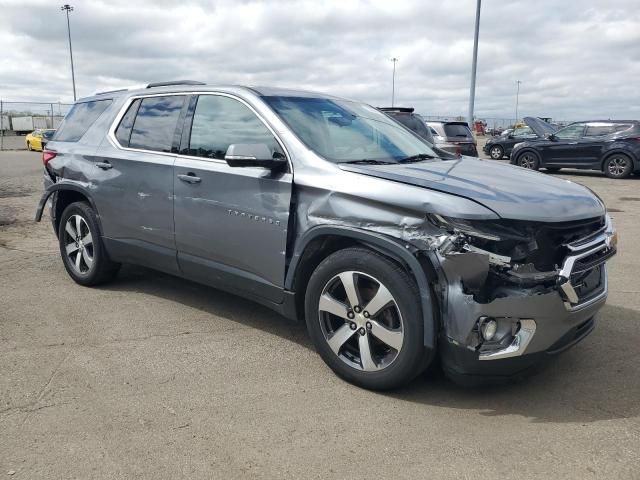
x: 328, y: 211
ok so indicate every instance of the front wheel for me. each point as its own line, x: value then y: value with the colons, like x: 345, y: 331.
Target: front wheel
x: 83, y: 253
x: 528, y: 160
x: 496, y: 152
x: 618, y: 166
x: 364, y: 317
x: 29, y: 147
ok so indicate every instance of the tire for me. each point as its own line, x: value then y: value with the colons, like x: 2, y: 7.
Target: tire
x: 340, y: 330
x: 496, y: 152
x: 553, y: 169
x: 84, y: 255
x: 529, y: 160
x: 618, y: 165
x: 29, y: 147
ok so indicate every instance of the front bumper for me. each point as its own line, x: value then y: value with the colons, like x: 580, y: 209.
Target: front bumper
x: 539, y: 321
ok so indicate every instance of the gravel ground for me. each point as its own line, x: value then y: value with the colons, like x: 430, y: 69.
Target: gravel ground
x: 155, y: 377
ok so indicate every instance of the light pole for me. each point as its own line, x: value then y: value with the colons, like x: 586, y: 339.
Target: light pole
x: 69, y: 8
x: 393, y: 82
x: 518, y: 82
x: 472, y: 89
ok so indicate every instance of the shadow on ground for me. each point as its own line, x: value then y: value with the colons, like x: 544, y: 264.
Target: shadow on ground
x: 599, y: 379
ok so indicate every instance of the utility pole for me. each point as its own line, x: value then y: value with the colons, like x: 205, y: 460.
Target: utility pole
x: 69, y: 8
x: 518, y: 82
x: 393, y: 82
x: 472, y: 90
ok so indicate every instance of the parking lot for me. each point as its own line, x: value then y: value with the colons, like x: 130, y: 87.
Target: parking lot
x: 156, y: 377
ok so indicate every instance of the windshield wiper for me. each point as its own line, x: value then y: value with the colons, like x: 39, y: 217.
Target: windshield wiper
x: 417, y: 158
x: 367, y: 161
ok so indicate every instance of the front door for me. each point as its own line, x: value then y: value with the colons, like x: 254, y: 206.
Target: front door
x: 563, y: 149
x: 230, y: 223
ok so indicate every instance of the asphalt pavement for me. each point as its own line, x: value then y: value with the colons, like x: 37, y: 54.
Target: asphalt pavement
x: 156, y: 377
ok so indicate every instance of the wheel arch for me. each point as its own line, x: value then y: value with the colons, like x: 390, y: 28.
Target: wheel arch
x: 63, y: 195
x: 319, y: 242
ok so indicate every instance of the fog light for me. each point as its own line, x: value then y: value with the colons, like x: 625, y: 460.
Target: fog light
x: 489, y: 328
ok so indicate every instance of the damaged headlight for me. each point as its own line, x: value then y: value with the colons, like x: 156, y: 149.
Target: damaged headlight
x: 484, y: 229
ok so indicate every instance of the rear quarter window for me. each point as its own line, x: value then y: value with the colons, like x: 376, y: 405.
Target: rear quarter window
x: 79, y: 120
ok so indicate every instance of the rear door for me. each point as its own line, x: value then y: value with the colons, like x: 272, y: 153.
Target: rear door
x: 230, y: 223
x: 592, y: 143
x: 134, y: 181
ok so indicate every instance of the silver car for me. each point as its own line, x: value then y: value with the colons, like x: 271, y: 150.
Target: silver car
x: 329, y: 212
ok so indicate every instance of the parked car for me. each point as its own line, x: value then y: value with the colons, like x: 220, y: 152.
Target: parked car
x: 35, y: 139
x: 411, y: 120
x: 330, y: 212
x: 46, y: 136
x: 498, y: 147
x: 611, y: 146
x: 454, y: 137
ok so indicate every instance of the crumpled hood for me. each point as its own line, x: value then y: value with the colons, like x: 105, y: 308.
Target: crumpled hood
x: 511, y: 192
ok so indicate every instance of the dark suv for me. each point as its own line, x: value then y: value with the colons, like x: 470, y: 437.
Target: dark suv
x: 611, y: 146
x: 414, y: 122
x: 328, y: 211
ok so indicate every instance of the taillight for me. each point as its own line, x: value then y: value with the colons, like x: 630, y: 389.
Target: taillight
x: 47, y: 156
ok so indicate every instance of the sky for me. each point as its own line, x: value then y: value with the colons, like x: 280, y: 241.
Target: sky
x: 576, y: 59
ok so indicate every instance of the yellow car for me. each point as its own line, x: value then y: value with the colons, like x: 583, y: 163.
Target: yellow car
x: 37, y: 139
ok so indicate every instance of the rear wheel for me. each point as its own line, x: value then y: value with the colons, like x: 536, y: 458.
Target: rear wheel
x: 618, y: 166
x: 83, y: 253
x: 496, y: 152
x: 364, y: 318
x: 29, y: 147
x: 528, y: 160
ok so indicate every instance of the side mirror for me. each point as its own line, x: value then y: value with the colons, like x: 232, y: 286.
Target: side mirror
x: 253, y: 155
x: 551, y: 137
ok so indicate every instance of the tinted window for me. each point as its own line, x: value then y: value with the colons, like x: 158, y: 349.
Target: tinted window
x: 598, y: 130
x: 414, y: 124
x: 456, y: 130
x: 220, y: 121
x: 155, y: 124
x: 123, y: 132
x: 79, y: 119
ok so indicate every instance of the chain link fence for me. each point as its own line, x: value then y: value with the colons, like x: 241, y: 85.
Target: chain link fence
x: 18, y: 119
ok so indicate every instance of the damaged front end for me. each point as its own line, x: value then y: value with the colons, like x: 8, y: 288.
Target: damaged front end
x: 513, y: 287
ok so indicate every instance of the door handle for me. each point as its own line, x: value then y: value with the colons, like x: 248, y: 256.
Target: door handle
x: 189, y: 178
x: 104, y: 165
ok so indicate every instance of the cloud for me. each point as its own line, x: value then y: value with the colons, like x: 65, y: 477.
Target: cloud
x: 575, y: 60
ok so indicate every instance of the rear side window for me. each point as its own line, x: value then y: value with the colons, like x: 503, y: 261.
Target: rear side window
x: 220, y: 121
x: 155, y: 123
x: 123, y: 132
x: 456, y: 130
x: 79, y: 119
x: 598, y: 130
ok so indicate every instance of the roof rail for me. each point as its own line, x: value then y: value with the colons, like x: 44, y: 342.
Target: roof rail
x: 111, y: 91
x: 175, y: 82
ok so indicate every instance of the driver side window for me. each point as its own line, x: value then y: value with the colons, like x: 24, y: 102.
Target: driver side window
x: 573, y: 131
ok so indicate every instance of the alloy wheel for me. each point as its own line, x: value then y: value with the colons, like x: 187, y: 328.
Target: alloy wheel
x: 361, y: 321
x: 78, y: 244
x: 527, y: 161
x: 496, y: 153
x: 617, y: 166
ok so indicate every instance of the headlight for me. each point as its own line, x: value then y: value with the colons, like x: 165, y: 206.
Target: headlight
x: 486, y: 230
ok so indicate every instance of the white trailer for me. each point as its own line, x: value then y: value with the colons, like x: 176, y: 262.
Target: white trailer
x: 22, y: 124
x: 40, y: 122
x: 57, y: 120
x: 4, y: 123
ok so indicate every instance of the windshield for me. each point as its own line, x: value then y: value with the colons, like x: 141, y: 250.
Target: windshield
x: 344, y: 131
